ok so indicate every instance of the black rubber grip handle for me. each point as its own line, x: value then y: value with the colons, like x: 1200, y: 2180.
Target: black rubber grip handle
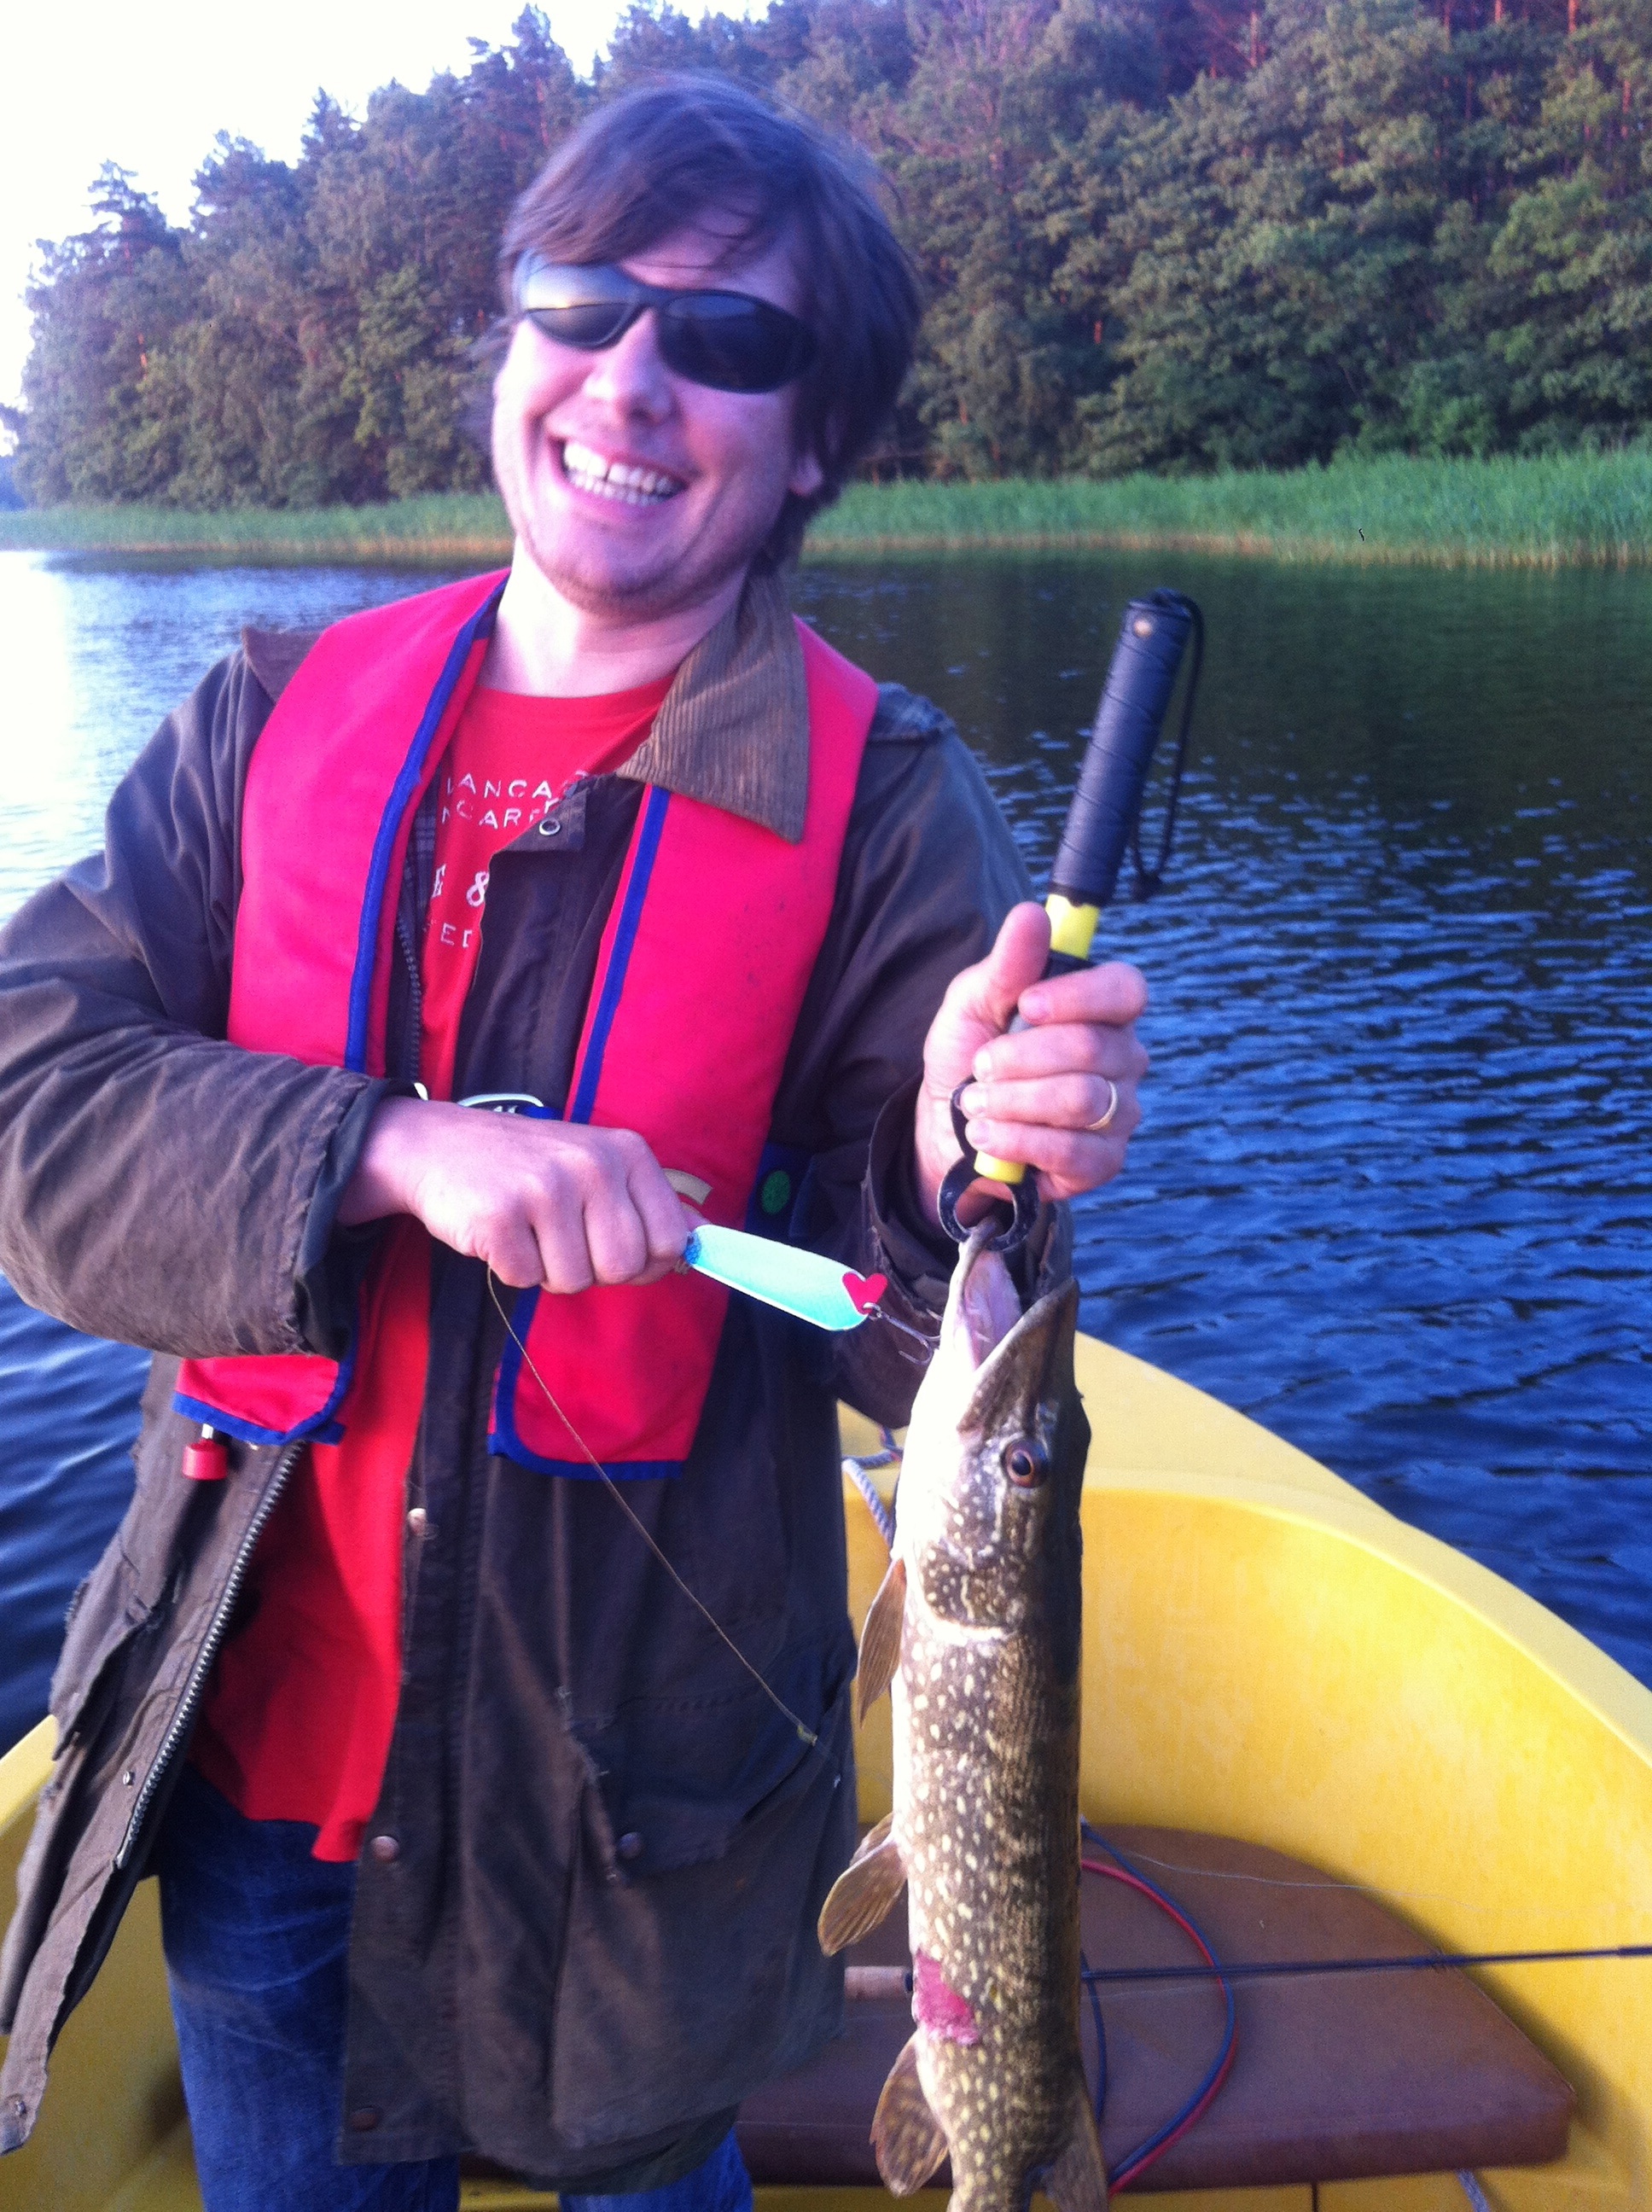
x: 1134, y: 701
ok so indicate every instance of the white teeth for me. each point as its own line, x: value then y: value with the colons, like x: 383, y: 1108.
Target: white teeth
x: 587, y: 471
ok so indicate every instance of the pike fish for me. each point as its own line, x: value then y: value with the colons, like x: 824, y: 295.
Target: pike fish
x: 977, y: 1631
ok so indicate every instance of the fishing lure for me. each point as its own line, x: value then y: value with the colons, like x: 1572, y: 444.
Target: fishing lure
x: 800, y: 1283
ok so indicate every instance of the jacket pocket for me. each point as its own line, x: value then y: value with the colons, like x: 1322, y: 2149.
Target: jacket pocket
x: 679, y: 1778
x: 690, y: 1975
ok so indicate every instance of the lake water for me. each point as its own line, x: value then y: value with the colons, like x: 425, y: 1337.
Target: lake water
x: 1394, y: 1193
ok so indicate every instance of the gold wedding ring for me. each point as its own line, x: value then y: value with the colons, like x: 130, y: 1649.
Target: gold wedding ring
x: 1096, y: 1128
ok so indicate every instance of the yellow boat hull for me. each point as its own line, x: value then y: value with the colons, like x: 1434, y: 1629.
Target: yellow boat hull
x: 1267, y: 1654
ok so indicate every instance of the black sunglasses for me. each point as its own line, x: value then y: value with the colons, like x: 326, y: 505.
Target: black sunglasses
x: 728, y: 340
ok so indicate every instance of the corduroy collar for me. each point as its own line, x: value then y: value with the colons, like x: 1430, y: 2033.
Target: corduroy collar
x: 734, y: 729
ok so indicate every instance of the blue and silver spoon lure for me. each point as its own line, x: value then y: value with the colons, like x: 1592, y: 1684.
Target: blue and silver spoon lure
x: 800, y: 1283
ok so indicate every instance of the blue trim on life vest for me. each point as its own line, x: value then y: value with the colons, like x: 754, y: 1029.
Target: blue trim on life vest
x: 503, y: 1439
x: 501, y: 1435
x: 625, y: 936
x: 384, y: 844
x: 320, y: 1428
x: 504, y: 1442
x: 249, y: 1432
x: 581, y: 1470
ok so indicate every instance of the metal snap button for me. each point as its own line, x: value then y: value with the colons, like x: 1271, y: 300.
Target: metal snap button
x: 386, y: 1849
x: 629, y: 1845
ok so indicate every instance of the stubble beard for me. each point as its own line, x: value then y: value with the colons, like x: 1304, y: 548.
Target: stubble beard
x: 647, y: 593
x: 654, y: 588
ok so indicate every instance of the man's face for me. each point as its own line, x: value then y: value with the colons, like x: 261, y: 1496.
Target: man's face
x: 636, y: 493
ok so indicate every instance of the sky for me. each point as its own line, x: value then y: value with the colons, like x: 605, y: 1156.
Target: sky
x: 150, y: 86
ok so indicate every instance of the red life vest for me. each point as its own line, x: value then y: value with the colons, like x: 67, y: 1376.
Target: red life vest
x: 686, y: 1048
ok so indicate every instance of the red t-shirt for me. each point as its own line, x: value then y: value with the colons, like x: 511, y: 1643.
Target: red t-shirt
x: 297, y: 1721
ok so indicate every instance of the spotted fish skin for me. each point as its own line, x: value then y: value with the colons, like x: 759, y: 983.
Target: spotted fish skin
x: 985, y: 1822
x: 988, y: 1830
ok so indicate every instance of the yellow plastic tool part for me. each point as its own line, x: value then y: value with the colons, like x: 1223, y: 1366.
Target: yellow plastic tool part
x: 1267, y: 1654
x: 1072, y: 930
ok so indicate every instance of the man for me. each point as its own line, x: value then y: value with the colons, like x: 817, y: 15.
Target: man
x: 481, y: 1701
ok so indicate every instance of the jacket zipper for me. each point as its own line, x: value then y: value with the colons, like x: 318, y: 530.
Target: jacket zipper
x: 182, y: 1719
x: 412, y: 1051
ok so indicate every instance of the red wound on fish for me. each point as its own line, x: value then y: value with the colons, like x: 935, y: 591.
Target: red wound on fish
x: 939, y: 2008
x: 865, y: 1291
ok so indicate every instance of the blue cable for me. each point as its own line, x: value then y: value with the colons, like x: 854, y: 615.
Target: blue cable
x: 1132, y: 2162
x: 1094, y: 1996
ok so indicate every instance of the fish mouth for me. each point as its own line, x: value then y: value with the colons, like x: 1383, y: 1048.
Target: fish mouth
x: 1014, y: 1354
x: 984, y: 1305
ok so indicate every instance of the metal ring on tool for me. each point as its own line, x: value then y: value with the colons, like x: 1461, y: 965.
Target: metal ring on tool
x: 1021, y: 1199
x: 1094, y: 1128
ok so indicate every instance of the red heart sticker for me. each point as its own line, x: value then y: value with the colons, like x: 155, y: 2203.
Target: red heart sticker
x: 865, y: 1291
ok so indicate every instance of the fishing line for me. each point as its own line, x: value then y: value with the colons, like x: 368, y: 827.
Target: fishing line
x: 906, y: 1329
x: 1258, y: 1970
x: 1351, y: 1889
x: 804, y: 1731
x: 1413, y: 1962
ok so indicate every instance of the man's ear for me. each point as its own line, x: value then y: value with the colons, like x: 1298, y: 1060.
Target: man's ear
x: 807, y: 476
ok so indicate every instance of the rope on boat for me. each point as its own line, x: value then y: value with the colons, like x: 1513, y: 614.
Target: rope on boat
x: 859, y: 1472
x: 1473, y: 2192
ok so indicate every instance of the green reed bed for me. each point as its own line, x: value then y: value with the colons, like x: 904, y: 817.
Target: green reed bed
x: 440, y: 526
x: 1544, y: 512
x: 1551, y: 511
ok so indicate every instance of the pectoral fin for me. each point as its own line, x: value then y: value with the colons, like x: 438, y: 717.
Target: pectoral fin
x: 880, y: 1640
x: 1078, y: 2180
x: 908, y: 2140
x: 863, y: 1894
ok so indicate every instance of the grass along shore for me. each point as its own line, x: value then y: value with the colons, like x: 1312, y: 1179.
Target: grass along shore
x: 1551, y: 511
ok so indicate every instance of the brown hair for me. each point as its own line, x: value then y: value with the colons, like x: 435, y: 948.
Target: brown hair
x: 684, y: 147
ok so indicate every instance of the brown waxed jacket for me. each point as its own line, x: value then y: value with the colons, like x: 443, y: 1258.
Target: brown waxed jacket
x: 596, y: 1929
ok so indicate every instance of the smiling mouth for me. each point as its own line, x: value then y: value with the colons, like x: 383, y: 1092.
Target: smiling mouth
x: 619, y: 480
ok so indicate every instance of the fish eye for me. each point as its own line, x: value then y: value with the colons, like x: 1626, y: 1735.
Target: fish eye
x: 1026, y: 1464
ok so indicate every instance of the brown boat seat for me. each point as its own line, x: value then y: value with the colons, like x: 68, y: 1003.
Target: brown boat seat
x: 1336, y: 2078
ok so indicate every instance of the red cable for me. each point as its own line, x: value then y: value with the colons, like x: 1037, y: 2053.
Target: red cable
x: 1135, y: 1882
x: 1134, y: 2169
x: 1134, y: 2173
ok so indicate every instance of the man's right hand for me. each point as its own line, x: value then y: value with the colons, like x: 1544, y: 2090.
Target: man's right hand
x: 549, y: 1204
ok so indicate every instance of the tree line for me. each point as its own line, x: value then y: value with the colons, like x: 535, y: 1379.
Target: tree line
x: 1173, y: 234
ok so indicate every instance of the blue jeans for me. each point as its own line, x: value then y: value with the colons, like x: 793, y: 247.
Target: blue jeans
x: 257, y: 1934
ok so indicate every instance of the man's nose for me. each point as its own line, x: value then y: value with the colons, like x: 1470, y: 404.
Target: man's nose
x: 630, y: 375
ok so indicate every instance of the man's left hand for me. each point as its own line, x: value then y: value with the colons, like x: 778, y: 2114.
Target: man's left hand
x: 1033, y: 1095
